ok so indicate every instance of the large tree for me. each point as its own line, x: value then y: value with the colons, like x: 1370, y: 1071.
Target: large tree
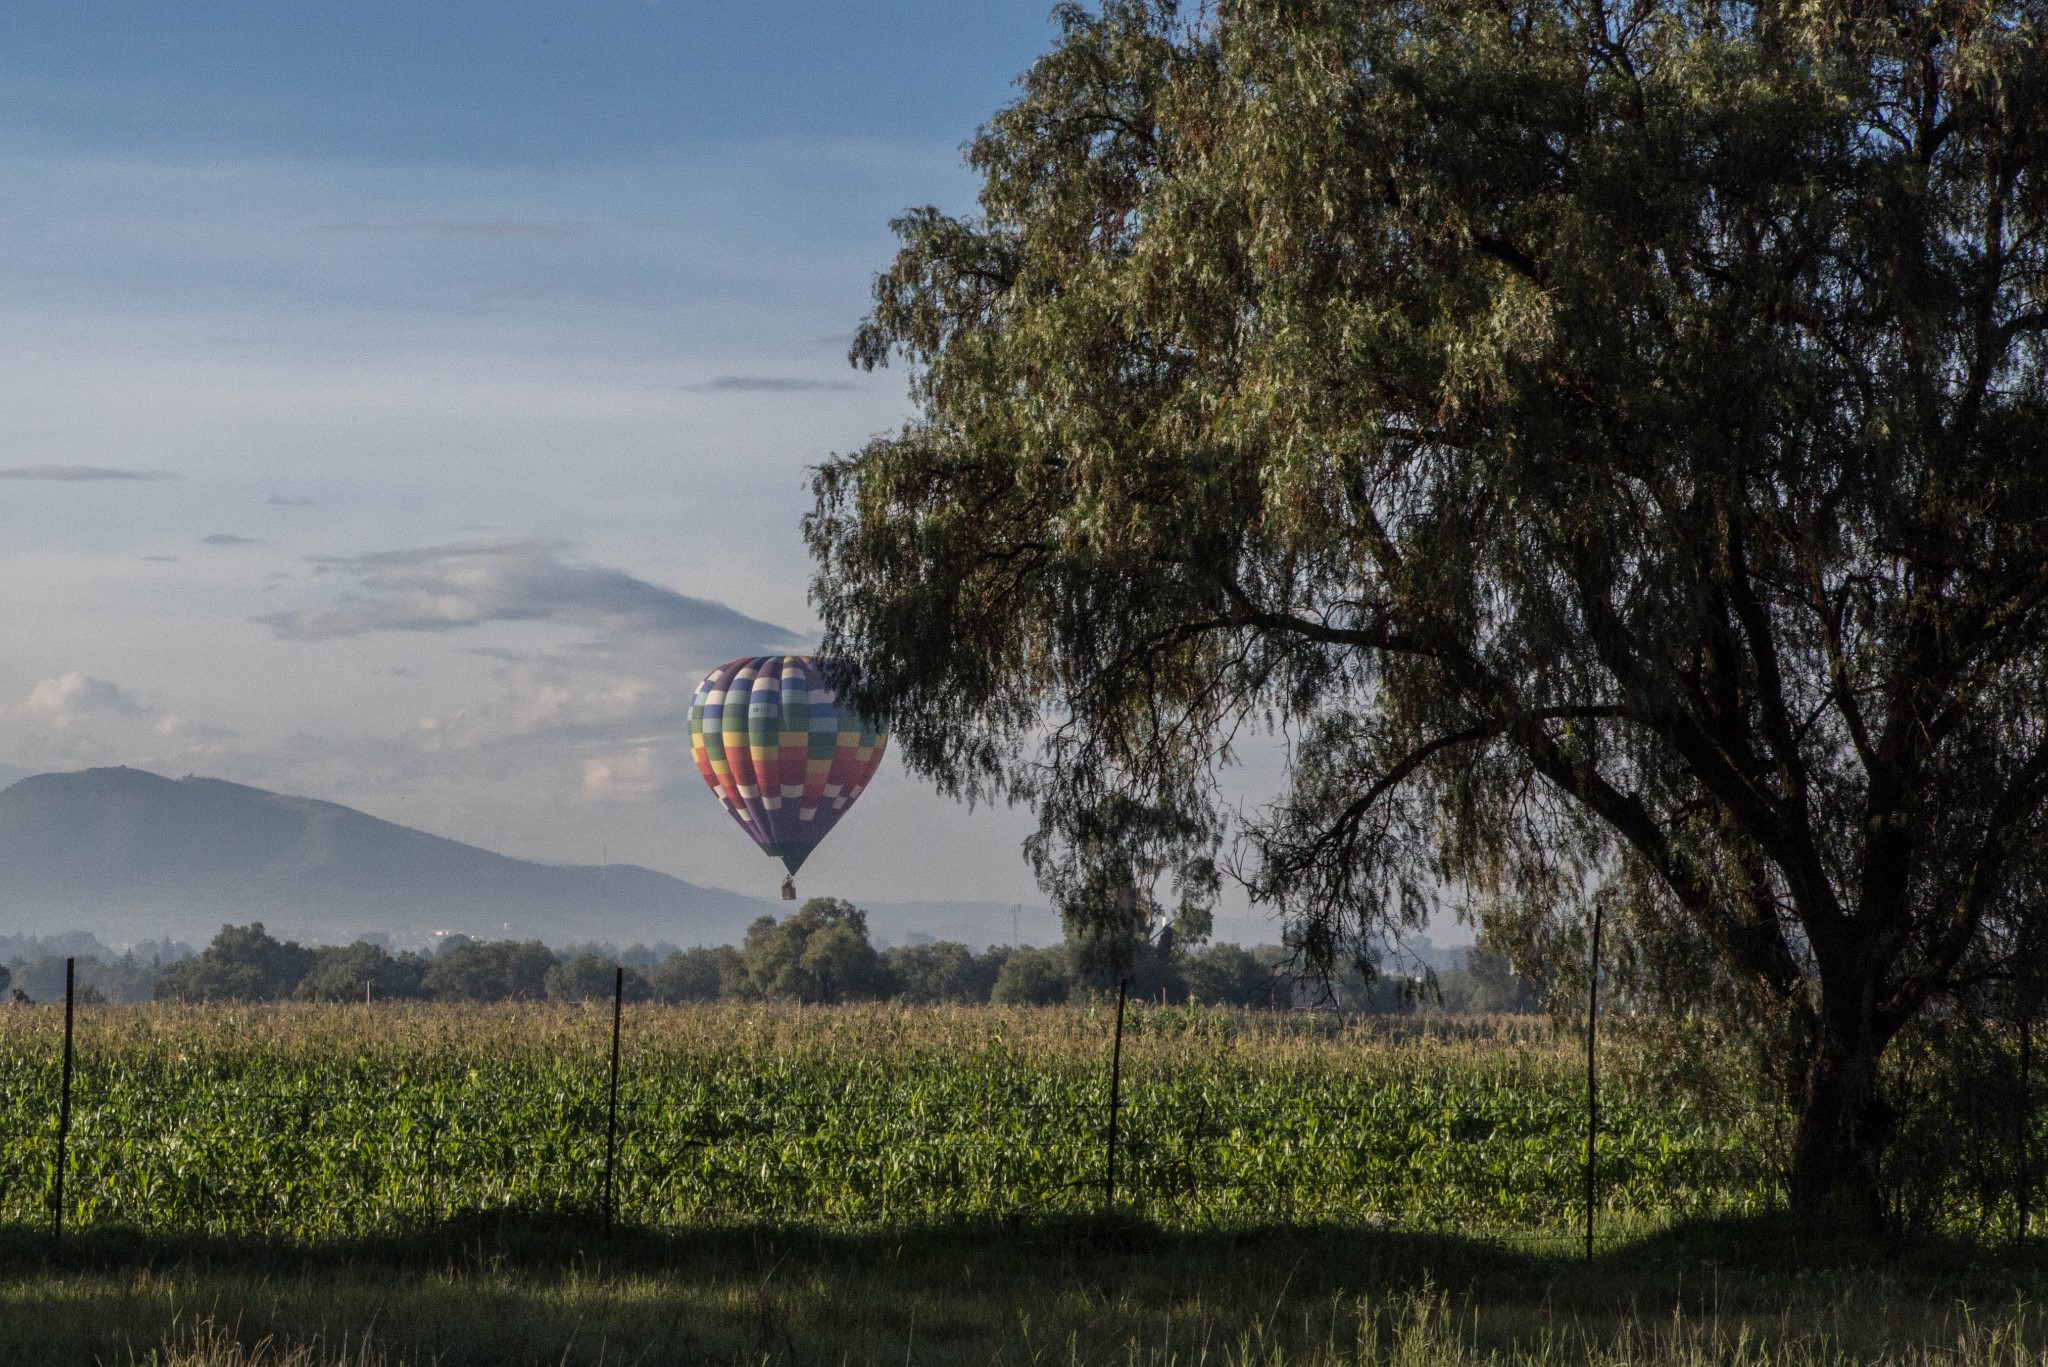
x: 1606, y: 440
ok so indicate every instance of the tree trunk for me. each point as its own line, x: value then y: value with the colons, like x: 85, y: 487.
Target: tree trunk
x: 1842, y: 1130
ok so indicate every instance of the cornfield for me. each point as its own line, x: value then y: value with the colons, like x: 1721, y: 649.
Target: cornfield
x: 307, y: 1122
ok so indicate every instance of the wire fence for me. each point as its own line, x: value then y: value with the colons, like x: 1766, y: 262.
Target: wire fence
x: 321, y: 1122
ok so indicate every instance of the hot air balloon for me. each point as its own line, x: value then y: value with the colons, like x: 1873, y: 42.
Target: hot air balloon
x: 773, y: 742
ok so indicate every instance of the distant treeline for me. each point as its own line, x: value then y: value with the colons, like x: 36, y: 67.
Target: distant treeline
x: 32, y: 967
x: 821, y: 954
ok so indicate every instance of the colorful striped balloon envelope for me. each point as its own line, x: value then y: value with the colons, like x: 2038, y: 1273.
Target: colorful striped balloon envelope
x: 771, y: 738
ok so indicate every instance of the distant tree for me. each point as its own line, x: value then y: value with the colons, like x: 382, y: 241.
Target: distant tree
x: 5, y: 978
x: 640, y: 956
x: 1230, y: 975
x: 1157, y: 971
x: 820, y: 954
x: 1033, y: 977
x: 1612, y: 441
x: 130, y: 978
x: 43, y: 978
x: 344, y: 972
x: 943, y: 972
x: 244, y: 963
x: 123, y: 979
x: 635, y: 955
x: 165, y: 950
x: 488, y: 971
x: 699, y: 975
x: 1487, y: 984
x: 592, y: 977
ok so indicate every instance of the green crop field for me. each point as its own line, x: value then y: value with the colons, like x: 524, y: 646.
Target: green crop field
x: 798, y: 1180
x: 318, y: 1122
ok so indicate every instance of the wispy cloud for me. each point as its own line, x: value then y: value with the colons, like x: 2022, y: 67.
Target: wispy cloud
x: 80, y: 474
x: 437, y: 227
x: 228, y: 539
x: 768, y: 384
x: 448, y: 588
x: 188, y: 729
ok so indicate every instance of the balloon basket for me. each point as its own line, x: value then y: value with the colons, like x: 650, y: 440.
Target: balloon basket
x: 789, y: 889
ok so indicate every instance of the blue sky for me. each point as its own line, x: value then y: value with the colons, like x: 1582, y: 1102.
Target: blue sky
x: 504, y: 84
x: 405, y: 403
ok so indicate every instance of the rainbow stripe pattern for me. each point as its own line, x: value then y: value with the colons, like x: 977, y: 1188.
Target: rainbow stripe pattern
x: 773, y: 743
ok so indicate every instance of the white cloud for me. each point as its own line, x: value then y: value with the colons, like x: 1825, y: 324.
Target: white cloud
x: 63, y: 700
x: 198, y: 732
x: 634, y: 773
x: 447, y: 588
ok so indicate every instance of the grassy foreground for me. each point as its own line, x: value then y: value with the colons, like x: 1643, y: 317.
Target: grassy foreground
x: 414, y: 1184
x: 493, y: 1291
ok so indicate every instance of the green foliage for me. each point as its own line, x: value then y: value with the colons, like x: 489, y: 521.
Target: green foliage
x: 1610, y: 442
x: 1486, y: 984
x: 590, y: 977
x: 700, y: 975
x: 314, y: 1122
x: 244, y: 963
x: 820, y: 954
x: 943, y: 972
x: 1227, y: 975
x: 361, y: 971
x: 489, y: 971
x: 1033, y: 977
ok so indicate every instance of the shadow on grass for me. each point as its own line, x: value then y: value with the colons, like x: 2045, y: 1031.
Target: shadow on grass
x: 1753, y: 1258
x: 550, y: 1287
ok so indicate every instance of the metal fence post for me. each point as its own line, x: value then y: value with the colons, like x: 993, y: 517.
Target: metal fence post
x: 64, y: 1102
x: 1592, y: 1076
x: 611, y: 1119
x: 1116, y: 1072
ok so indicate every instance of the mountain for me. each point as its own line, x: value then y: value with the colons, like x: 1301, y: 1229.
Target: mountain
x: 130, y: 855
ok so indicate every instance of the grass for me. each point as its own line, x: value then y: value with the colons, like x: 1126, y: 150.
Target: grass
x: 497, y: 1290
x: 305, y: 1186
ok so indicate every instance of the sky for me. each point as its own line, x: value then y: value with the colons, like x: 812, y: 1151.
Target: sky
x: 404, y: 404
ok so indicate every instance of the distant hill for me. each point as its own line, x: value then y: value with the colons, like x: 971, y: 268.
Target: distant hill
x: 131, y: 855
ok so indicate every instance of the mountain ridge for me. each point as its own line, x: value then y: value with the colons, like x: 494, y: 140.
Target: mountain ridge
x: 133, y: 854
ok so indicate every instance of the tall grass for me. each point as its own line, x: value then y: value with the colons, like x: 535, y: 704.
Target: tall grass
x: 1274, y: 1298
